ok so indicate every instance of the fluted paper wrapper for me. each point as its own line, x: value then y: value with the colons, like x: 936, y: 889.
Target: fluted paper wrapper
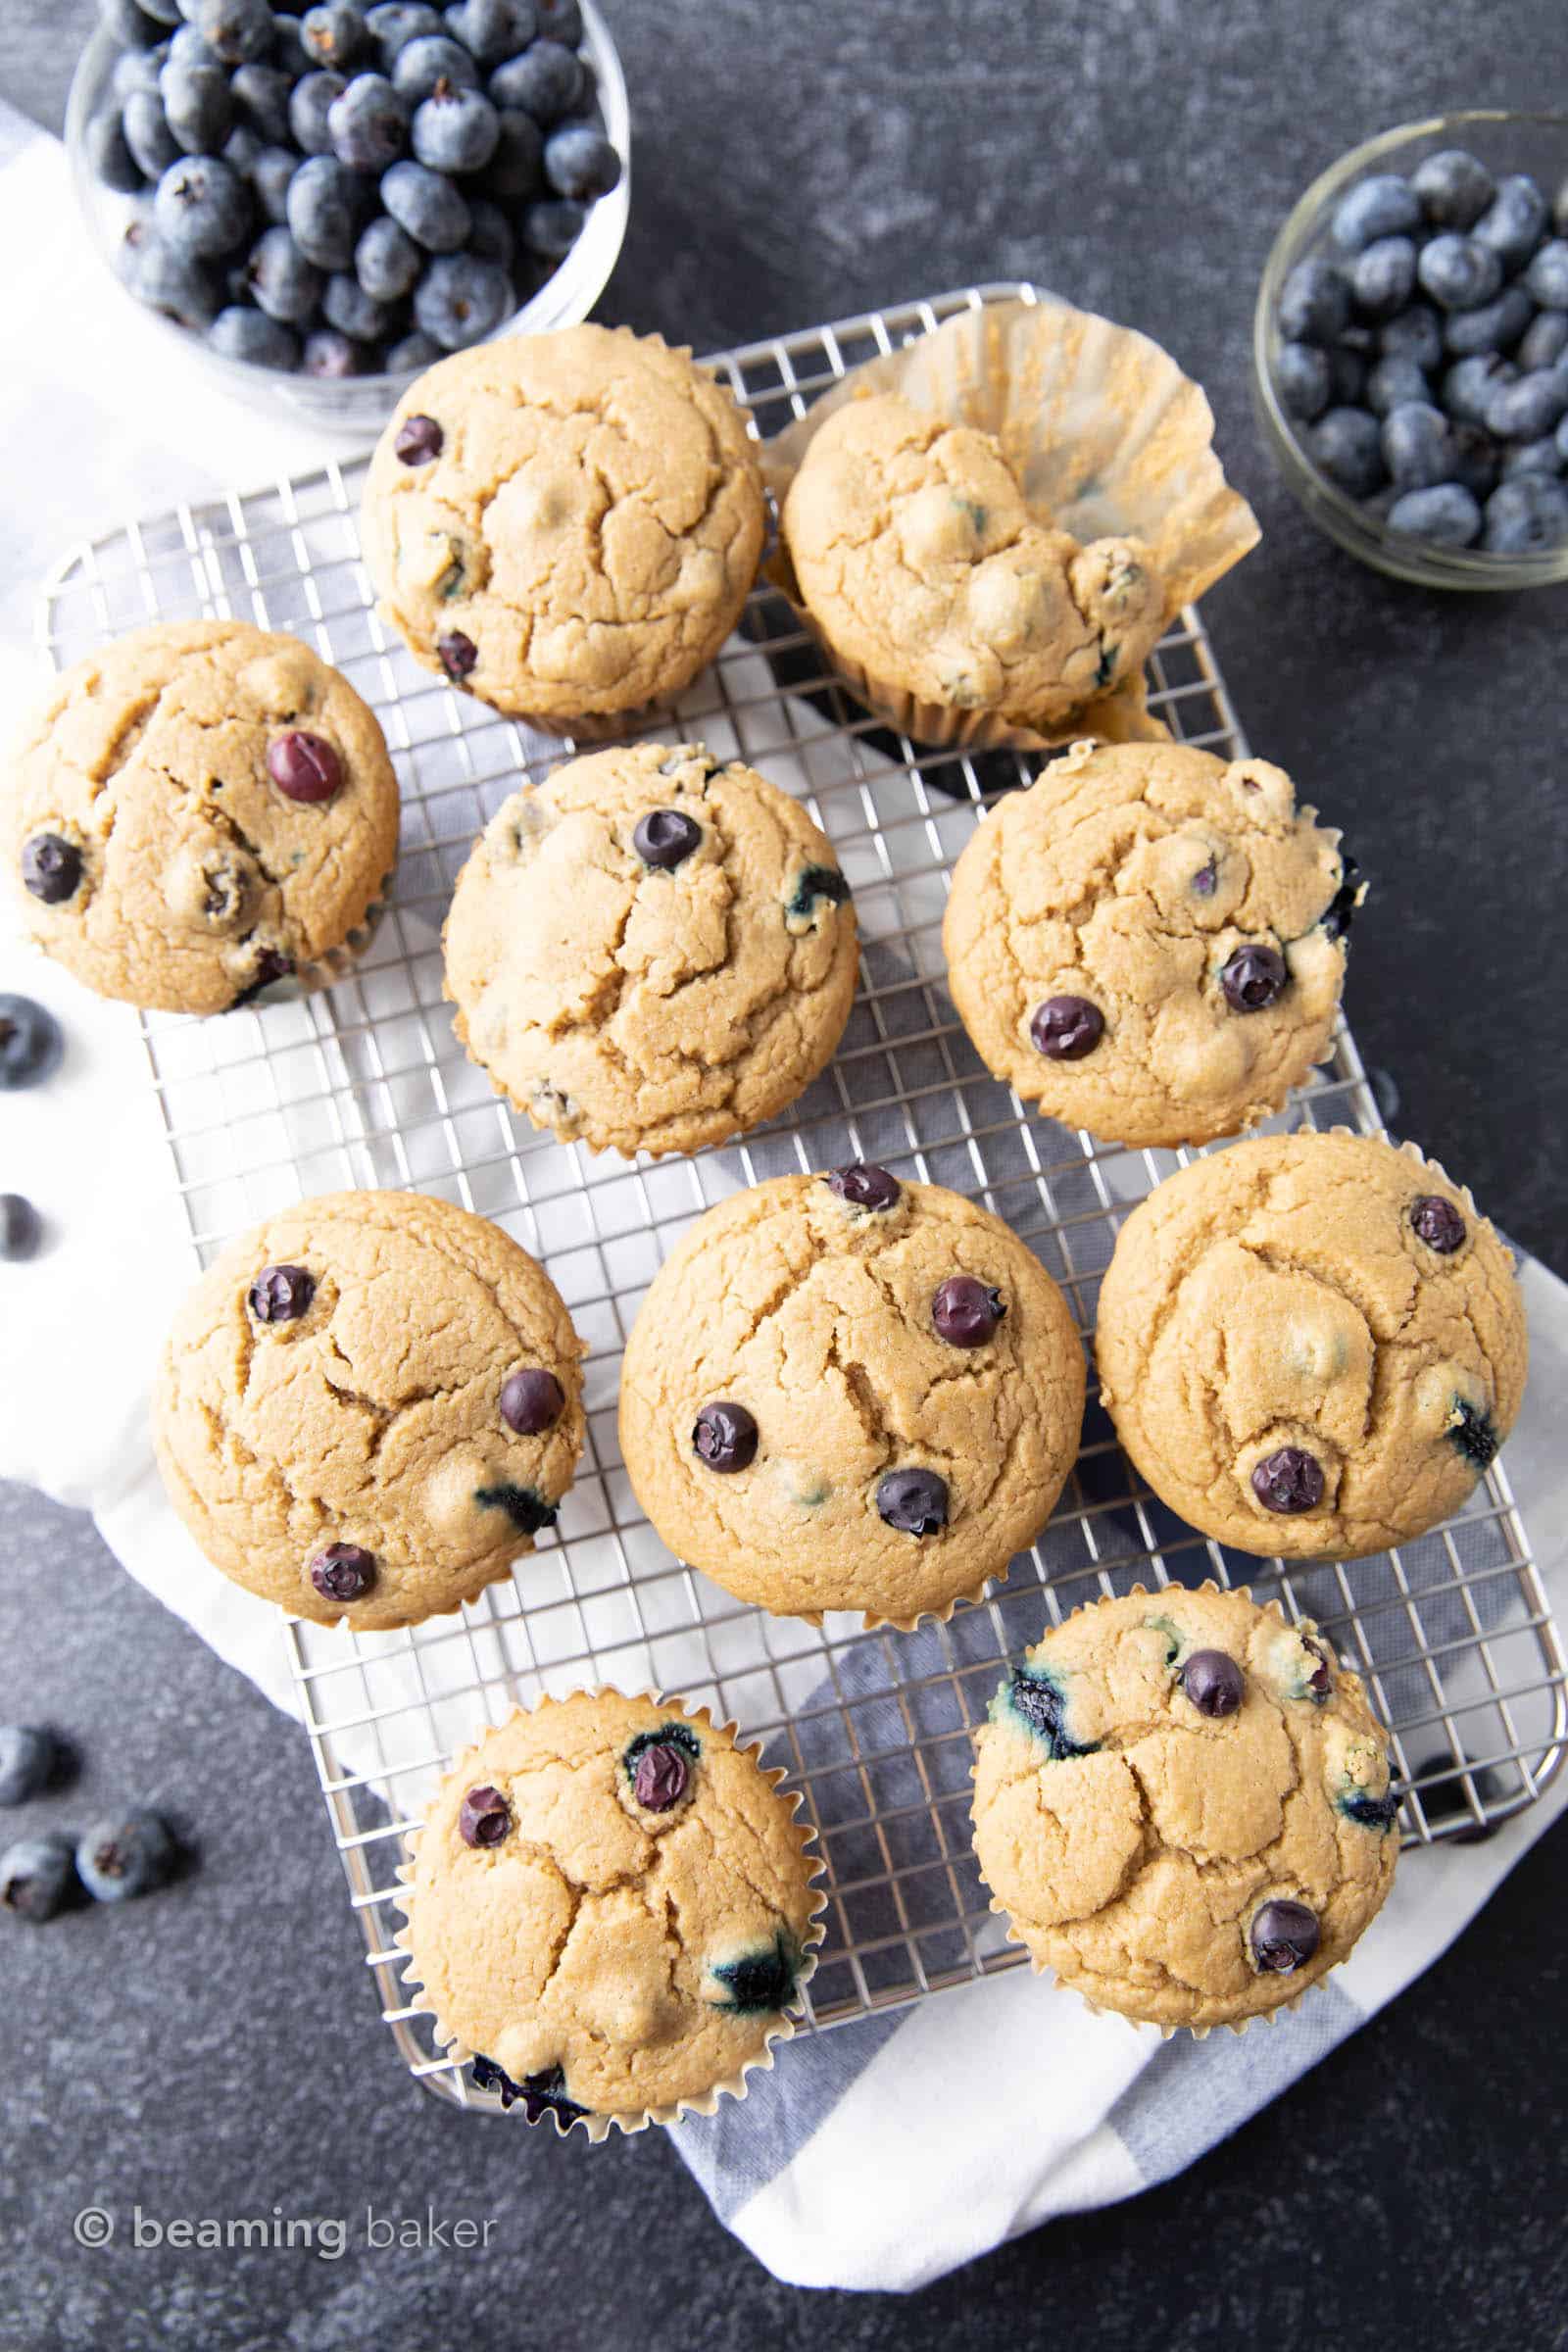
x: 1107, y: 437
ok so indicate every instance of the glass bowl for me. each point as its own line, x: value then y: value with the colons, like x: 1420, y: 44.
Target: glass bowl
x: 359, y: 404
x: 1536, y: 143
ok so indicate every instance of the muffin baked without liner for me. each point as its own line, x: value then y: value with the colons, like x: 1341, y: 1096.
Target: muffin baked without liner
x: 1182, y: 1806
x: 611, y: 1911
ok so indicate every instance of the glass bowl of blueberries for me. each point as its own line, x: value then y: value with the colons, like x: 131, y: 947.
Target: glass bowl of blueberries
x: 321, y: 203
x: 1410, y: 350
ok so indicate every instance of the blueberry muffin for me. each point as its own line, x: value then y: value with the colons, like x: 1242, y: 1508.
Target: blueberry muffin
x: 196, y: 811
x: 564, y: 525
x: 368, y: 1408
x: 611, y: 1911
x: 651, y: 950
x: 847, y: 1392
x: 925, y: 572
x: 1151, y: 944
x: 1311, y: 1345
x: 1182, y: 1806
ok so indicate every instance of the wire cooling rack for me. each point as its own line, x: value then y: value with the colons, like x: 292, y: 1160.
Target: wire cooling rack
x: 362, y: 1084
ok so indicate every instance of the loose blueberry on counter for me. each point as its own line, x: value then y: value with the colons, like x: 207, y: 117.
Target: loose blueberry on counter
x: 580, y: 163
x: 1314, y: 303
x: 30, y: 1043
x: 1037, y: 1700
x: 125, y: 1856
x: 1458, y: 272
x: 1473, y: 1432
x: 1344, y: 446
x: 241, y: 334
x: 368, y: 124
x: 665, y: 837
x: 394, y: 23
x: 966, y: 1312
x: 281, y: 281
x: 421, y: 65
x: 1444, y: 515
x: 325, y: 211
x: 51, y: 867
x: 282, y: 1293
x: 724, y: 1436
x: 761, y: 1982
x: 331, y: 355
x: 387, y: 264
x: 531, y: 1402
x: 1284, y: 1936
x: 484, y: 1817
x: 1514, y: 222
x: 21, y: 1229
x: 309, y: 106
x: 454, y: 130
x: 29, y: 1755
x: 262, y: 94
x: 305, y: 768
x: 552, y: 229
x: 1527, y: 515
x: 1415, y: 441
x: 1252, y: 978
x: 1395, y: 383
x: 1288, y: 1480
x: 1303, y: 375
x: 420, y: 440
x: 1497, y: 327
x: 1214, y: 1682
x: 36, y: 1876
x: 914, y: 1503
x: 1383, y: 278
x: 343, y: 1572
x: 1342, y: 909
x: 660, y: 1777
x: 1067, y: 1028
x: 544, y: 82
x: 428, y: 207
x: 540, y: 2093
x: 1437, y: 1222
x: 336, y: 34
x: 524, y: 1506
x: 461, y: 299
x: 456, y: 654
x: 1371, y: 1812
x: 817, y: 882
x: 1454, y: 188
x: 865, y: 1186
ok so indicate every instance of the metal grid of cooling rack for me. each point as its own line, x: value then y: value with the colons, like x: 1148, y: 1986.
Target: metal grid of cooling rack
x: 362, y: 1084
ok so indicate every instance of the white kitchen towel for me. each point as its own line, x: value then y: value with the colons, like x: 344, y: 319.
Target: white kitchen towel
x: 855, y: 2162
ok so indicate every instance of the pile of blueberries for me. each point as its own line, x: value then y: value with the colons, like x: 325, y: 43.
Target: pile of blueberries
x: 1427, y: 359
x: 122, y: 1855
x: 355, y: 189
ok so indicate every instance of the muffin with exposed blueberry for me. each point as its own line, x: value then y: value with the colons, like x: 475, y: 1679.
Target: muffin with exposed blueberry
x: 653, y: 949
x: 566, y: 525
x: 369, y: 1407
x: 1311, y: 1345
x: 610, y: 1912
x: 1149, y: 943
x: 1182, y: 1806
x: 197, y: 812
x: 844, y: 1391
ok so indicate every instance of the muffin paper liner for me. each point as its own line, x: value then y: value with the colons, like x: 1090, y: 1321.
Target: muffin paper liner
x: 1106, y: 436
x: 1042, y: 1968
x: 736, y: 2086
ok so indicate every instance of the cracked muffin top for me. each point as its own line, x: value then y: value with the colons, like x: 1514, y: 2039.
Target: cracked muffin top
x: 1151, y: 944
x: 1311, y: 1345
x: 649, y: 951
x: 1182, y: 1806
x: 195, y: 811
x: 368, y: 1407
x: 844, y: 1391
x: 566, y: 525
x: 609, y: 1910
x: 921, y: 562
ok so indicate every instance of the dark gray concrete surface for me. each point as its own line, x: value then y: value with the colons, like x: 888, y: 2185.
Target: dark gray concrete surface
x: 214, y: 2051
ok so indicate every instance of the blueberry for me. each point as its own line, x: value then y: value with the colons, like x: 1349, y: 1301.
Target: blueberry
x: 484, y: 1817
x: 165, y: 13
x: 1514, y: 223
x: 1437, y: 1222
x: 1546, y: 277
x: 490, y: 239
x: 187, y: 48
x: 174, y: 283
x: 331, y: 355
x: 457, y: 655
x: 966, y: 1312
x: 414, y: 354
x: 1067, y: 1028
x: 130, y: 27
x: 1531, y: 406
x: 202, y: 206
x: 137, y: 70
x: 29, y: 1755
x: 289, y: 52
x: 30, y: 1043
x: 1470, y: 383
x: 281, y: 280
x: 1302, y: 375
x: 51, y: 867
x: 724, y: 1436
x: 309, y: 106
x: 1458, y: 272
x: 368, y: 124
x: 430, y: 209
x: 914, y: 1502
x: 1532, y: 456
x: 282, y: 1293
x: 1288, y: 1480
x: 433, y: 59
x: 863, y: 1185
x: 1253, y: 977
x: 580, y: 163
x: 1040, y: 1703
x: 1214, y: 1682
x: 35, y: 1876
x: 1349, y: 371
x: 1392, y: 385
x: 455, y: 130
x: 492, y: 29
x: 1526, y: 516
x: 270, y: 175
x: 560, y: 20
x: 241, y: 334
x: 237, y: 31
x: 262, y: 94
x: 110, y: 157
x: 1413, y: 335
x: 1543, y: 341
x: 516, y: 167
x: 336, y: 35
x: 326, y: 213
x: 343, y: 1572
x: 153, y: 145
x: 1415, y: 445
x: 531, y: 1400
x: 387, y: 261
x: 1383, y: 278
x: 546, y: 82
x: 240, y: 151
x: 660, y: 1776
x: 346, y: 306
x: 1473, y: 459
x: 1284, y: 1936
x: 666, y: 838
x: 197, y: 106
x: 125, y: 1855
x: 1346, y: 446
x: 1384, y: 206
x: 1454, y: 188
x: 551, y: 230
x: 527, y: 1510
x: 395, y: 24
x: 1444, y: 514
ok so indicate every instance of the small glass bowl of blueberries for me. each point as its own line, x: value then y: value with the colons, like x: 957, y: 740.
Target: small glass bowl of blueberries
x: 1410, y: 350
x: 323, y: 200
